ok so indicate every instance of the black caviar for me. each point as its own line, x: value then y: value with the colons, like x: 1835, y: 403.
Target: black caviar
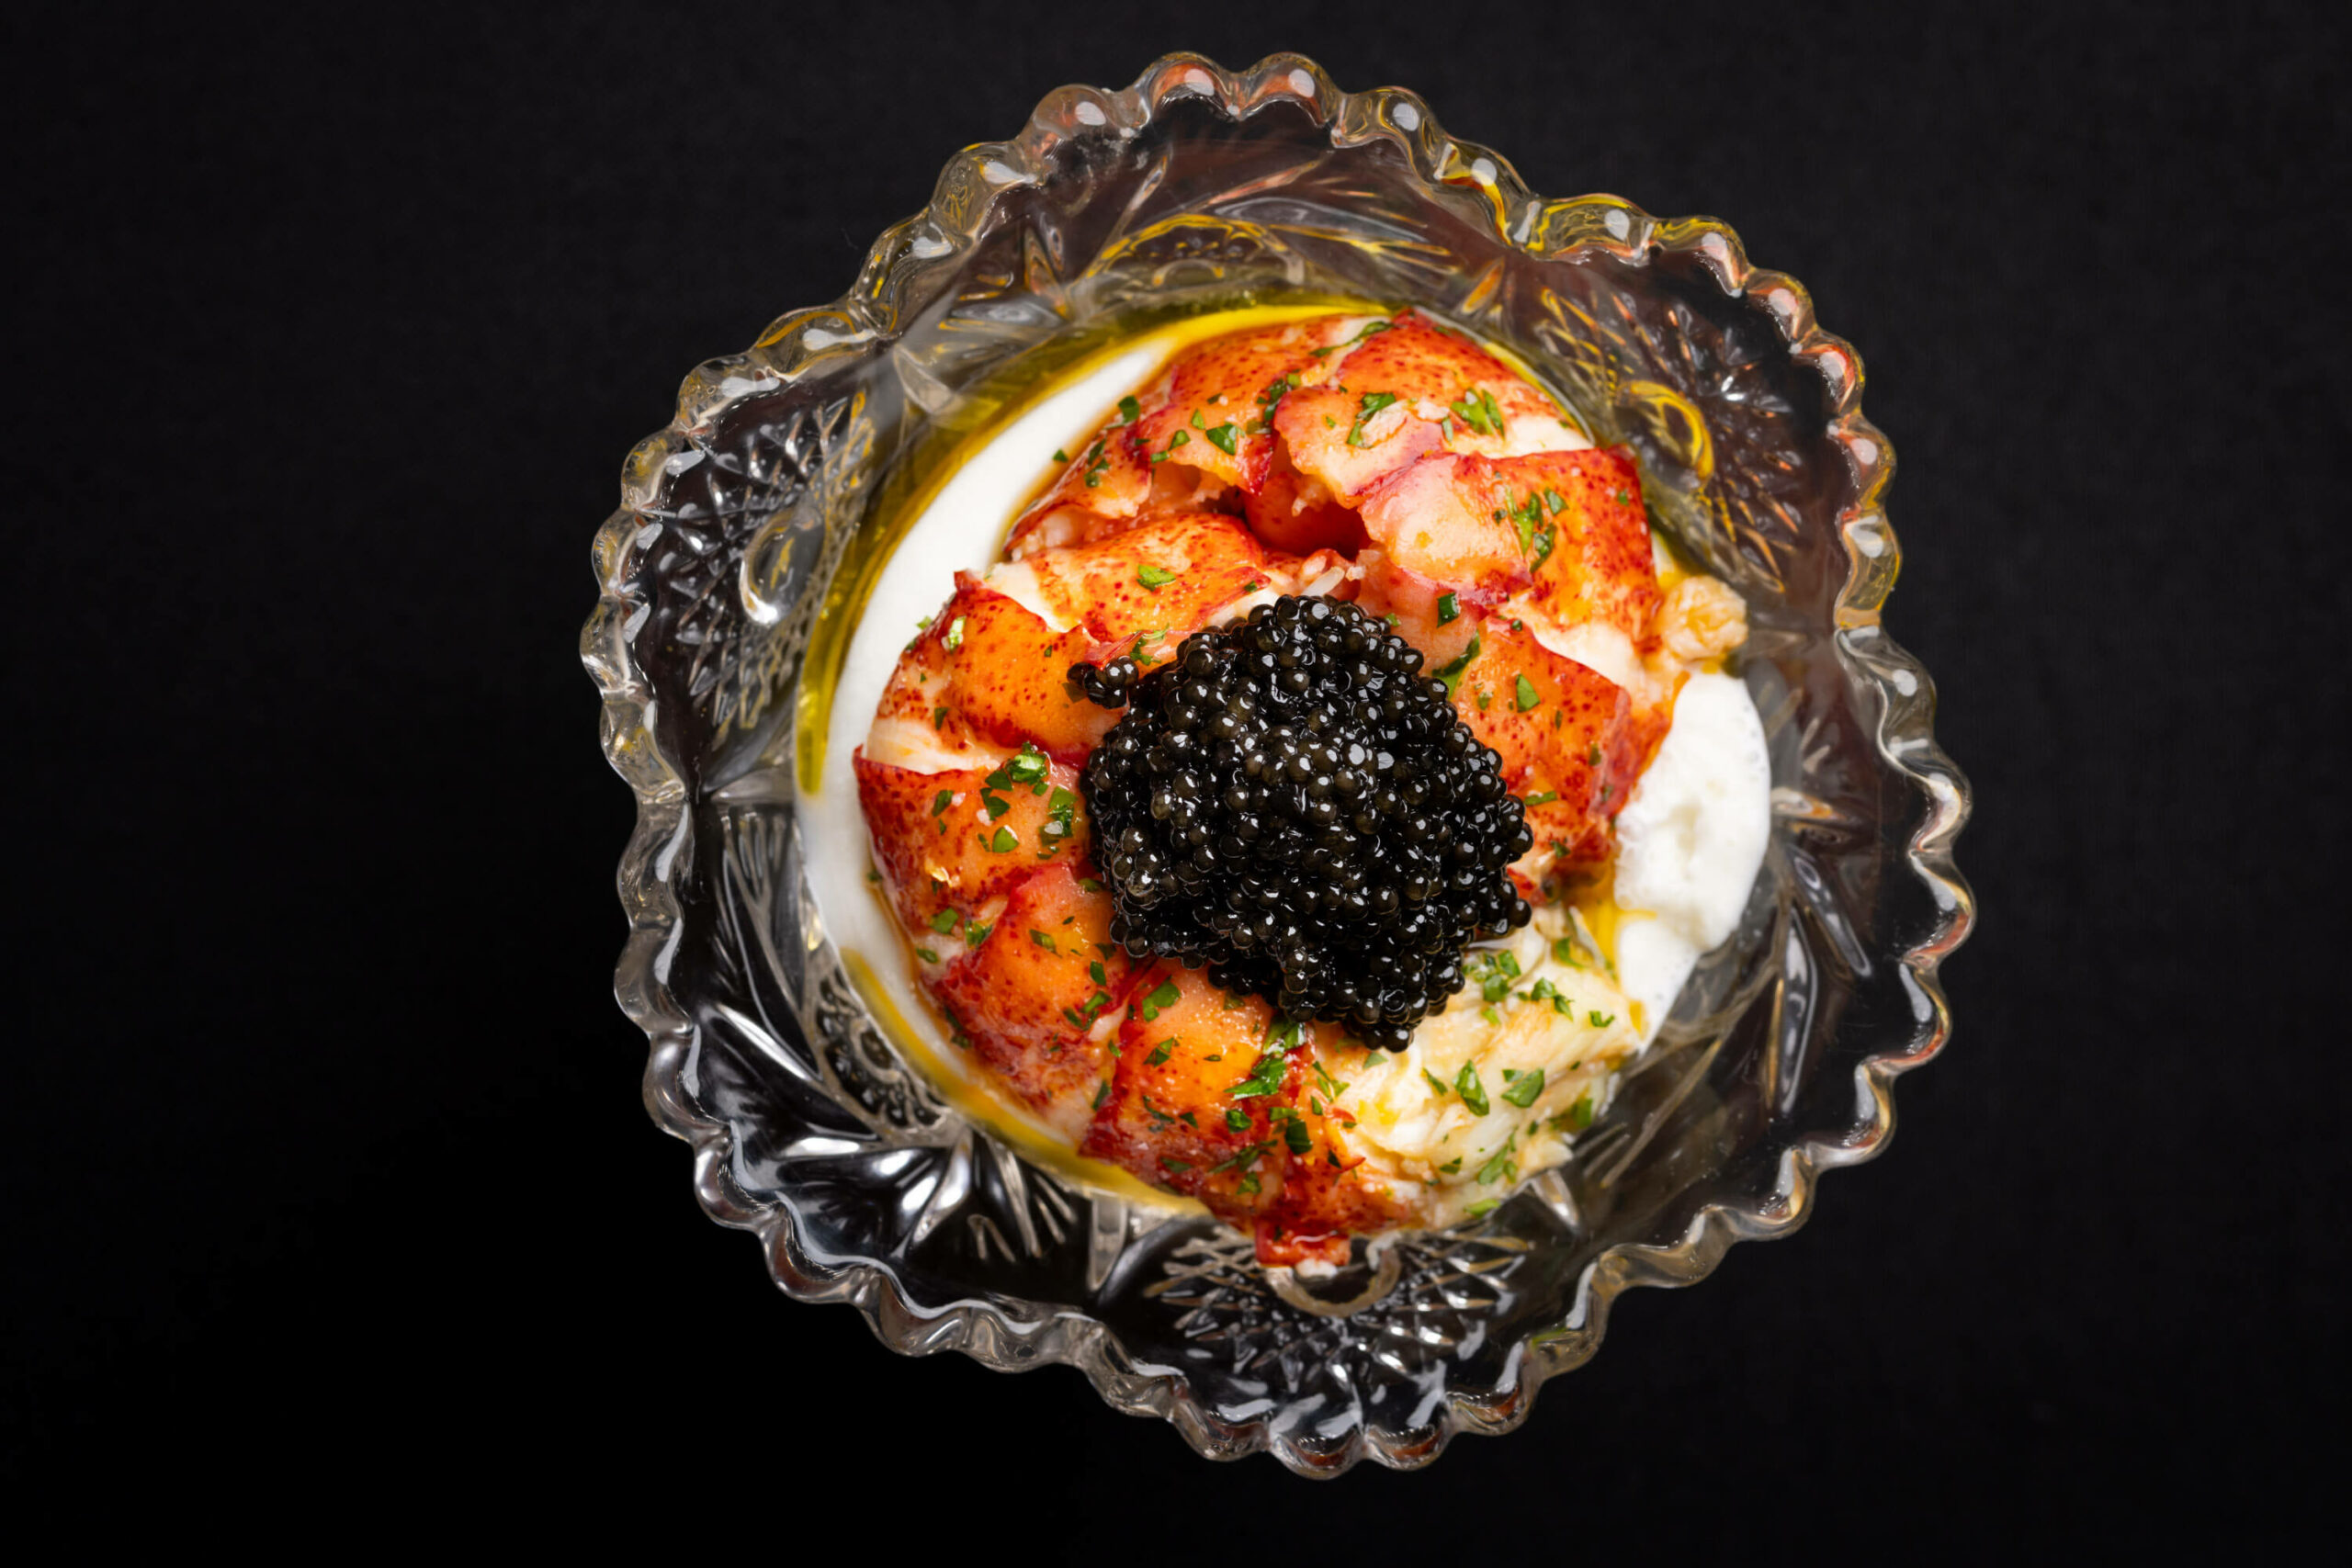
x: 1290, y: 801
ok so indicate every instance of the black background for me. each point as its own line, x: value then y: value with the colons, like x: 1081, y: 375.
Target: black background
x: 326, y: 1165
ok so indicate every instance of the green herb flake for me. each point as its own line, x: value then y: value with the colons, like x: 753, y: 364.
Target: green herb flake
x: 1523, y: 1088
x: 1375, y: 327
x: 1542, y: 798
x: 1564, y: 952
x: 1501, y: 1168
x: 1480, y: 1209
x: 926, y: 955
x: 1265, y: 1075
x: 1162, y: 1052
x: 1580, y: 1114
x: 1129, y: 410
x: 1449, y: 608
x: 1163, y: 995
x: 1372, y: 403
x: 1436, y: 1082
x: 1599, y: 1020
x: 1102, y: 1093
x: 1331, y: 1086
x: 941, y: 801
x: 1042, y: 940
x: 1473, y: 1092
x: 954, y: 637
x: 1237, y: 1119
x: 1222, y: 438
x: 1094, y: 973
x: 1060, y: 456
x: 1452, y: 673
x: 975, y: 933
x: 1005, y: 841
x: 1526, y: 696
x: 1155, y: 577
x: 945, y: 922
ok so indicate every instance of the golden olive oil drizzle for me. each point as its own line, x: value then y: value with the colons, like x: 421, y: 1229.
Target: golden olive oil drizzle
x: 979, y: 1102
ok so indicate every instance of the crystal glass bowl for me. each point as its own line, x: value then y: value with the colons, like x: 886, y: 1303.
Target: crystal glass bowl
x: 1195, y: 189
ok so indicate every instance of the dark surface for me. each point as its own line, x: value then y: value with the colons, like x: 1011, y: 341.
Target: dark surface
x: 327, y: 1173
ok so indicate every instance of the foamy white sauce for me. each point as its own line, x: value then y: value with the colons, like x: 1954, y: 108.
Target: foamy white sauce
x: 1690, y: 840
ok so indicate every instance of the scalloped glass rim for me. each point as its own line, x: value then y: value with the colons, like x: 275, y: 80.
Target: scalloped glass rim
x: 649, y: 741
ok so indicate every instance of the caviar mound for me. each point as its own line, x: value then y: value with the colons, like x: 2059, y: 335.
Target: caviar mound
x: 1290, y: 801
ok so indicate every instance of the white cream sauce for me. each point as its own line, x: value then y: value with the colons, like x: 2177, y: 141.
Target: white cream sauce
x: 1690, y: 840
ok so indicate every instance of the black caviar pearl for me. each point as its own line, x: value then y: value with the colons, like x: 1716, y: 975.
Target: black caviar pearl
x: 1288, y: 801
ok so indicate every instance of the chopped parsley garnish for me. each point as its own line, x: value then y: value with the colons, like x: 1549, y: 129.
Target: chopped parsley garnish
x: 1155, y: 577
x: 1162, y: 1052
x: 1480, y: 1209
x: 1476, y: 409
x: 1452, y: 673
x: 975, y: 933
x: 1371, y: 404
x: 954, y: 637
x: 1163, y: 995
x: 1128, y: 410
x: 926, y: 955
x: 1599, y: 1020
x: 1502, y: 1167
x: 1521, y: 1090
x: 941, y: 801
x: 1237, y: 1119
x: 1060, y: 456
x: 1526, y: 694
x: 1436, y: 1082
x: 1244, y: 1160
x: 945, y: 922
x: 1375, y: 327
x: 1542, y: 797
x: 1473, y: 1092
x: 1331, y: 1086
x: 1265, y: 1074
x: 1005, y: 841
x: 1449, y: 608
x: 1494, y: 974
x: 1061, y: 822
x: 1580, y: 1114
x: 1043, y: 939
x: 1221, y: 436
